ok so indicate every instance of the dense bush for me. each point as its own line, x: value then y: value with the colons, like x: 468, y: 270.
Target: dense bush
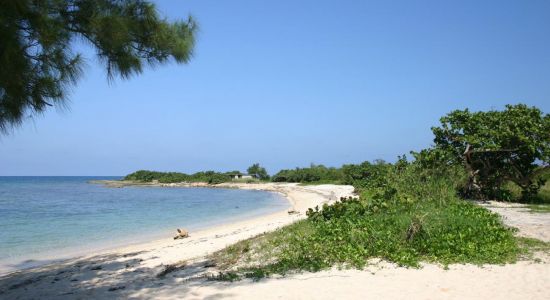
x: 512, y: 192
x: 366, y: 174
x: 145, y: 176
x: 172, y: 177
x: 315, y: 173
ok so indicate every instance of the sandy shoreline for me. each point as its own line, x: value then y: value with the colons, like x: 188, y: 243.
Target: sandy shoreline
x: 33, y: 260
x: 141, y: 240
x: 132, y: 272
x: 148, y: 240
x: 151, y: 257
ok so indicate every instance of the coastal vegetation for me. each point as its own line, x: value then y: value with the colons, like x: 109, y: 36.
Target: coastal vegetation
x: 258, y: 171
x: 505, y: 155
x: 496, y: 147
x: 358, y: 175
x: 413, y: 211
x: 313, y: 174
x: 210, y: 177
x: 408, y: 214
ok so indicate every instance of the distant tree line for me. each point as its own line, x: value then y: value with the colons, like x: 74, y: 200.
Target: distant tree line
x: 495, y: 152
x: 314, y: 173
x: 210, y: 177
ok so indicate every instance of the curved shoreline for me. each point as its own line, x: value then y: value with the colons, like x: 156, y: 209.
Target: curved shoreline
x: 55, y: 256
x: 149, y: 258
x: 138, y: 271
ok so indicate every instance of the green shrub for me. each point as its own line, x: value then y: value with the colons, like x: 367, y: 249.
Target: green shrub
x: 413, y: 215
x: 210, y: 177
x: 366, y: 174
x: 315, y: 173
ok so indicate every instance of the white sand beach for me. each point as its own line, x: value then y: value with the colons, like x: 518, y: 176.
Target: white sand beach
x: 132, y: 272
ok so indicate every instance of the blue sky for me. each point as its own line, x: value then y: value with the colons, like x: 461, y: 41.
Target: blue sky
x: 288, y: 83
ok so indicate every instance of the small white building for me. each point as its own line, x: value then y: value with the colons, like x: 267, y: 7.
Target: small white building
x: 241, y: 176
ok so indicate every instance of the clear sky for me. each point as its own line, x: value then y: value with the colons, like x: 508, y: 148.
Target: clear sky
x: 288, y: 83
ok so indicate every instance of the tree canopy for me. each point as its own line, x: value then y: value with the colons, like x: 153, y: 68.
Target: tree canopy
x: 496, y: 146
x: 257, y: 171
x: 38, y: 64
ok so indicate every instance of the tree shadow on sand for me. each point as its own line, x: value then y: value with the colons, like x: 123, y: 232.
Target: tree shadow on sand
x: 112, y: 276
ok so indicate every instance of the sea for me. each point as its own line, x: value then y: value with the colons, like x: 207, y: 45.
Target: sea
x: 46, y: 219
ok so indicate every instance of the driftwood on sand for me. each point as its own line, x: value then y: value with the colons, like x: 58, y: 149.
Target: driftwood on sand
x: 182, y: 233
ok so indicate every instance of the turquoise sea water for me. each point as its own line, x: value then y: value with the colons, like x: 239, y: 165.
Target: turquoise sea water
x: 45, y: 218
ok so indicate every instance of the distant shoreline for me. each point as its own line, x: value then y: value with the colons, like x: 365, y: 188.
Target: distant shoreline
x: 126, y: 183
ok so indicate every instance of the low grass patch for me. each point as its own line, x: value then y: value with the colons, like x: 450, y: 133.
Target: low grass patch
x: 321, y: 182
x: 542, y: 197
x: 530, y: 246
x: 539, y: 208
x: 171, y: 268
x: 262, y: 249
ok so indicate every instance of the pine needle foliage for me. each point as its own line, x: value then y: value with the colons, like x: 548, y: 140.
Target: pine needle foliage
x: 39, y: 65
